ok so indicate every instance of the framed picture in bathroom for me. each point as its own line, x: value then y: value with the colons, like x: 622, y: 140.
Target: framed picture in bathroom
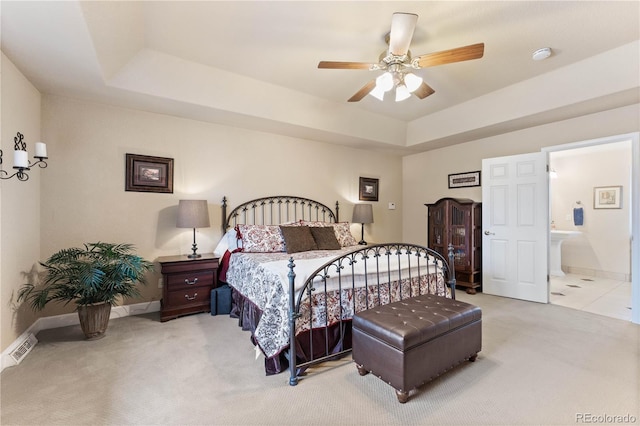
x: 607, y: 197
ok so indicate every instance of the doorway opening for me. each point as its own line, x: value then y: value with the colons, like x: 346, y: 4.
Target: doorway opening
x: 599, y: 268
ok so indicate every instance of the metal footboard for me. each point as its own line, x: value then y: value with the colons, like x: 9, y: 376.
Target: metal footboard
x: 320, y: 311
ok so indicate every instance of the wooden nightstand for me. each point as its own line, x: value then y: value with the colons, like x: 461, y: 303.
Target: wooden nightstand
x: 187, y: 284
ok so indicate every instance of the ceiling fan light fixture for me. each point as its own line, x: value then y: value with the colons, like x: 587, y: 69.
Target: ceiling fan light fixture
x: 385, y: 82
x: 377, y: 93
x: 397, y: 61
x: 402, y: 93
x: 412, y: 82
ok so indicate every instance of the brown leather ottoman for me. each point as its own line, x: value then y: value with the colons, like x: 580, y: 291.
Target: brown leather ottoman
x: 410, y: 342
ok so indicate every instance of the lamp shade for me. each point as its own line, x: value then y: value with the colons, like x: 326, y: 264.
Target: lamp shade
x: 402, y: 93
x: 362, y: 213
x: 412, y: 82
x: 193, y: 214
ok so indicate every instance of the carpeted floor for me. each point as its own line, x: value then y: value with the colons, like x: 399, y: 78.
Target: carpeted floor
x: 540, y: 364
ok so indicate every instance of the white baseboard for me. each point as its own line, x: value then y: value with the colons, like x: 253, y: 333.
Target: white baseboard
x: 57, y: 321
x: 617, y: 276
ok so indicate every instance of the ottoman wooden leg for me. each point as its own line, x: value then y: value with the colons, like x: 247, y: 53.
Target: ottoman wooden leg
x: 361, y: 370
x: 473, y: 358
x: 403, y: 396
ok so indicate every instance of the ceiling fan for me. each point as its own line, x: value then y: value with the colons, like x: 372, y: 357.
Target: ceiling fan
x: 398, y: 63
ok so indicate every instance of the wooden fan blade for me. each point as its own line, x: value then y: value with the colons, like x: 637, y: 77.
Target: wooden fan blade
x: 344, y: 65
x: 363, y: 92
x: 423, y: 91
x: 402, y: 27
x: 473, y: 51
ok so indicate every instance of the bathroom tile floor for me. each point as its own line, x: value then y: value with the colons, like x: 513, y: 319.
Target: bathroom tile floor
x: 592, y: 294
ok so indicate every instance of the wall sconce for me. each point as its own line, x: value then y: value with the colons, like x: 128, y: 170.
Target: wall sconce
x: 362, y: 213
x: 21, y: 158
x: 193, y: 214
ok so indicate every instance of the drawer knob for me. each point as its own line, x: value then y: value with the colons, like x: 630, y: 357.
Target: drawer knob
x: 186, y: 296
x: 186, y: 281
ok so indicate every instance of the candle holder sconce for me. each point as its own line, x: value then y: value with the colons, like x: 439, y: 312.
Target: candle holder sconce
x: 21, y: 158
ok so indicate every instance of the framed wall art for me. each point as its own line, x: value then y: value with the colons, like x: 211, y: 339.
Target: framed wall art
x: 368, y: 189
x: 460, y: 180
x: 148, y: 174
x: 607, y: 197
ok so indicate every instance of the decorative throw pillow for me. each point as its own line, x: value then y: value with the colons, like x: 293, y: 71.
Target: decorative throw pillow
x: 261, y: 238
x: 229, y: 242
x: 343, y: 234
x: 315, y: 223
x: 325, y: 238
x: 298, y: 238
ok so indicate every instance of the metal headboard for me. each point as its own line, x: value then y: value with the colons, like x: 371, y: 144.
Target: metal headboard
x: 277, y: 209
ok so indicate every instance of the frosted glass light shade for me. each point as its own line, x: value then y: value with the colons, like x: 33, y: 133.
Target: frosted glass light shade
x: 402, y: 93
x: 20, y: 159
x: 377, y: 93
x: 41, y: 150
x: 385, y: 82
x: 412, y: 82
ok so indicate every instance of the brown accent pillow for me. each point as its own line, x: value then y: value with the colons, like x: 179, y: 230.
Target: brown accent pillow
x: 298, y: 238
x: 325, y: 238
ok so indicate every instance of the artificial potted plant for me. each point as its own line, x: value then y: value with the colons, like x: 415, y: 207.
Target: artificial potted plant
x: 93, y: 277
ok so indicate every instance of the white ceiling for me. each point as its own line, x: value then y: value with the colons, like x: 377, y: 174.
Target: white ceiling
x: 254, y: 64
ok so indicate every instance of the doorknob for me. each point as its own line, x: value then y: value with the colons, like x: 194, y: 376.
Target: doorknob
x: 489, y: 233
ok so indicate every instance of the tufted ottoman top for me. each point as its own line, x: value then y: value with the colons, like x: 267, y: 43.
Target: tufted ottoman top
x: 415, y: 320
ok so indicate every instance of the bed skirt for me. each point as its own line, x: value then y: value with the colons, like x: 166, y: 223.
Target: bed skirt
x: 248, y: 315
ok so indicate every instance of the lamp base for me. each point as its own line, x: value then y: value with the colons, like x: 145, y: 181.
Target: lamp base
x: 362, y: 241
x: 194, y: 247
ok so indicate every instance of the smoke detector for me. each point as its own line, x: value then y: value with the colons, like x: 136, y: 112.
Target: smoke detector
x: 541, y: 54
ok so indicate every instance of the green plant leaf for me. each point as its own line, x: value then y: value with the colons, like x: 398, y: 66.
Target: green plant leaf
x: 97, y: 272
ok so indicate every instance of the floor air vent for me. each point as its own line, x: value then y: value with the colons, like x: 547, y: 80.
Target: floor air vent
x: 24, y: 348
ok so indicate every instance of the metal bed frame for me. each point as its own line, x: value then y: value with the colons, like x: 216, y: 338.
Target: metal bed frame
x: 375, y: 259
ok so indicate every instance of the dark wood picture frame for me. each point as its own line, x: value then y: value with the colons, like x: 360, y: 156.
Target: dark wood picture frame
x: 368, y: 189
x: 145, y: 173
x: 462, y: 180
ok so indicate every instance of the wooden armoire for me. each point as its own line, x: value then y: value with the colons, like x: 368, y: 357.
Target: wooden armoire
x: 458, y: 221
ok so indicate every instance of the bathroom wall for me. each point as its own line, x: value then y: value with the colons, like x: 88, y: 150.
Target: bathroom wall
x: 604, y: 247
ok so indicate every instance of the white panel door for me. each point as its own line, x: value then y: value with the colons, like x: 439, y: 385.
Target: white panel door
x: 515, y: 224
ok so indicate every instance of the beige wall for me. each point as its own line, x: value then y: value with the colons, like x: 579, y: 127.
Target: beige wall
x: 604, y: 246
x: 84, y: 198
x: 20, y: 201
x: 425, y: 174
x: 81, y: 198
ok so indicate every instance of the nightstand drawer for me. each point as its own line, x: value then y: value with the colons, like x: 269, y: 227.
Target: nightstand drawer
x: 187, y: 284
x: 189, y: 280
x: 189, y: 297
